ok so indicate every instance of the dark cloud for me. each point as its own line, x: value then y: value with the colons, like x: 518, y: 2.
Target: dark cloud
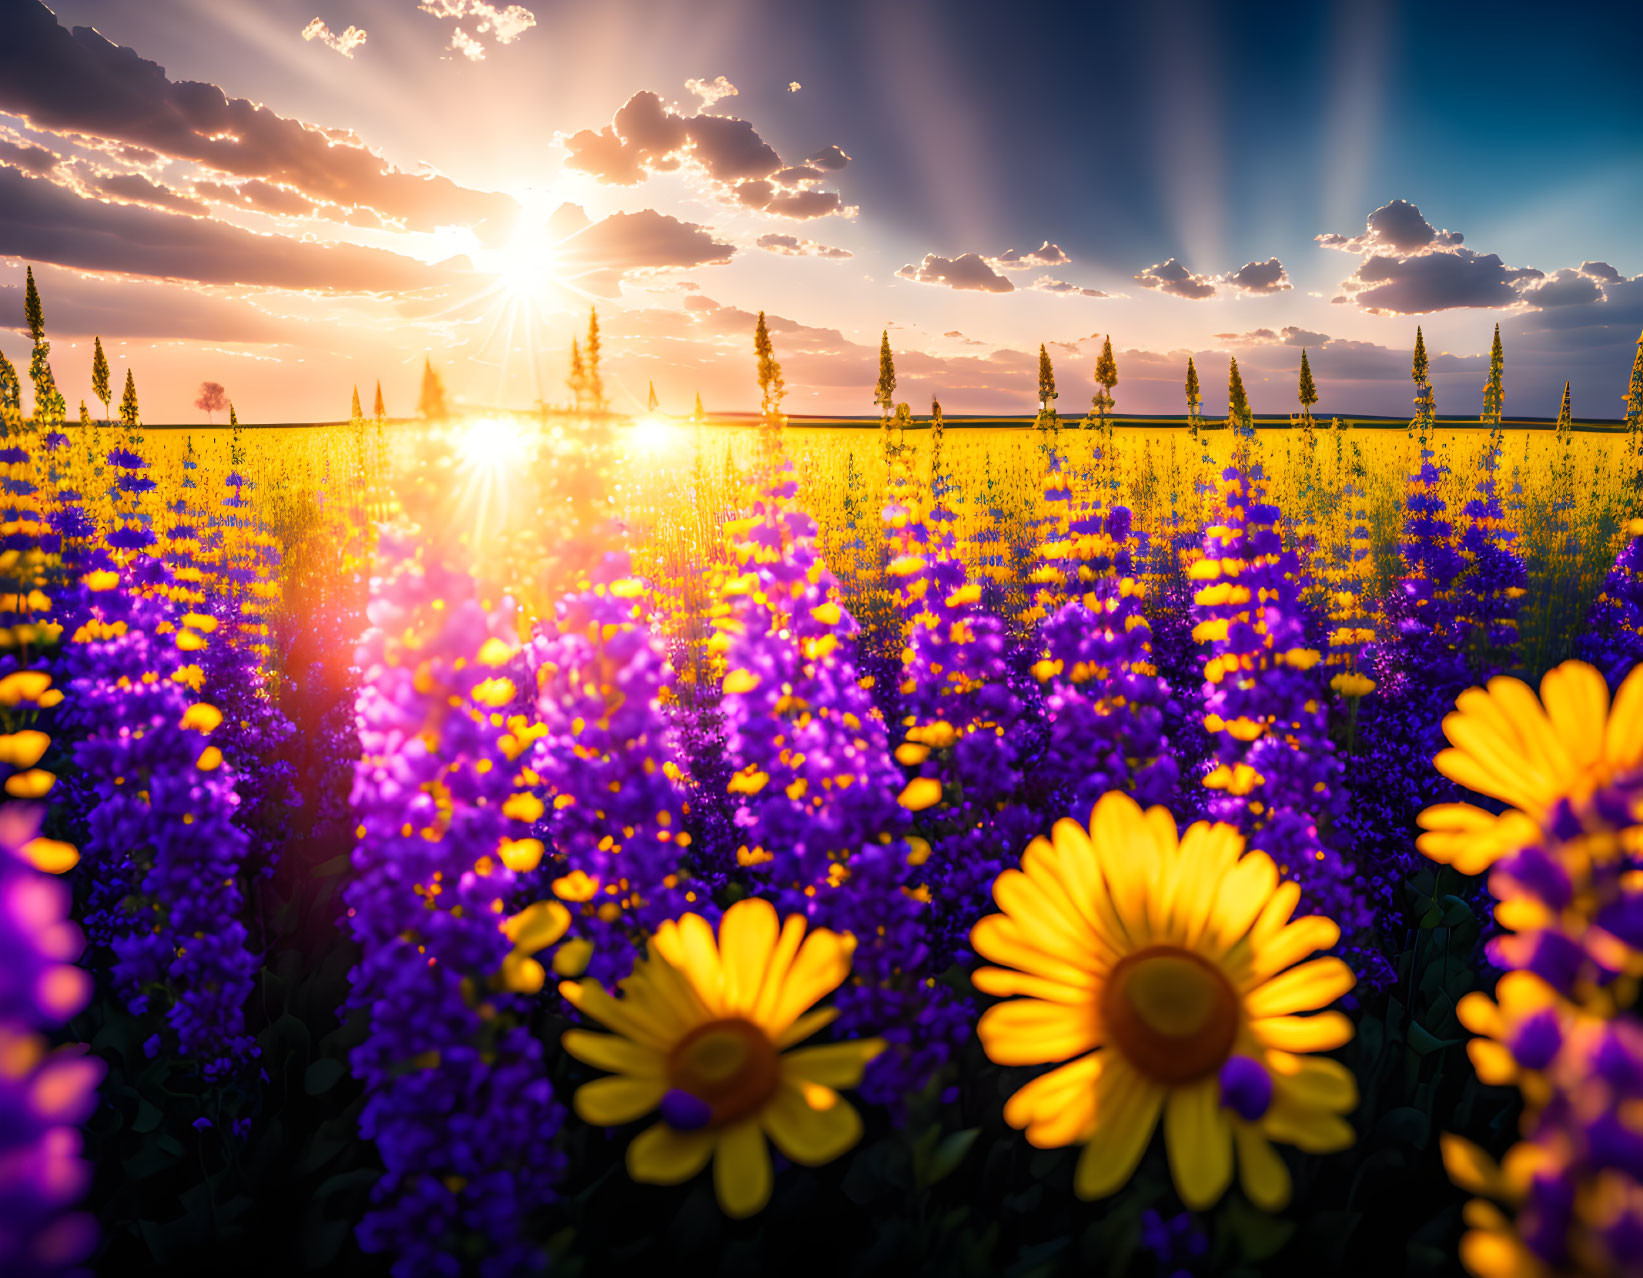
x: 1259, y: 277
x: 644, y: 240
x: 79, y: 82
x: 1396, y: 227
x: 43, y: 222
x: 1436, y: 282
x: 1601, y: 271
x: 28, y: 157
x: 1046, y: 254
x: 1564, y: 288
x: 257, y: 194
x: 1048, y: 284
x: 968, y: 271
x: 793, y: 246
x: 136, y: 188
x: 1173, y: 278
x: 646, y: 137
x: 831, y: 158
x: 1288, y: 336
x: 81, y: 306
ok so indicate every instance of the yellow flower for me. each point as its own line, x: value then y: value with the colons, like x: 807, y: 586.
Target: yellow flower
x: 1529, y: 754
x: 1163, y: 969
x: 703, y: 1033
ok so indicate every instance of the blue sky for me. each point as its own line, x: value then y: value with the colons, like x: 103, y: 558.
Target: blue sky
x: 988, y: 179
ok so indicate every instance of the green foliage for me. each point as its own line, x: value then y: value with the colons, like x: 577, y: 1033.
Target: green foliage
x: 885, y: 393
x: 1308, y: 391
x: 11, y: 396
x: 129, y: 415
x: 1195, y: 399
x: 1426, y: 407
x: 771, y: 386
x: 1494, y: 396
x: 85, y: 415
x: 99, y: 374
x: 49, y: 406
x: 1239, y: 416
x: 1565, y: 421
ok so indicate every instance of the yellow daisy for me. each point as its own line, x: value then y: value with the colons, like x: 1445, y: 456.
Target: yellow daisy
x: 1530, y: 755
x: 1520, y: 1032
x: 1162, y: 968
x: 703, y: 1033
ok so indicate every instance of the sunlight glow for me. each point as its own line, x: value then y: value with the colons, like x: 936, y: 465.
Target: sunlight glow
x: 653, y: 435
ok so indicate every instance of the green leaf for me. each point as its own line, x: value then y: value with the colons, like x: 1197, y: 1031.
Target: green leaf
x: 149, y: 1116
x: 1425, y: 1042
x: 322, y: 1075
x: 949, y: 1153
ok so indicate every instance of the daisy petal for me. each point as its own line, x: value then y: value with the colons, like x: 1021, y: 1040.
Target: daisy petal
x: 1126, y: 1112
x: 741, y: 1169
x: 609, y: 1102
x: 660, y: 1155
x: 1198, y: 1135
x: 809, y: 1136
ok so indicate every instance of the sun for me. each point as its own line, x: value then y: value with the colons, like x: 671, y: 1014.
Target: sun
x: 653, y: 435
x: 527, y: 270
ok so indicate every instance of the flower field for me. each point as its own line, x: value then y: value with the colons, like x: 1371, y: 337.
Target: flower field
x: 505, y: 843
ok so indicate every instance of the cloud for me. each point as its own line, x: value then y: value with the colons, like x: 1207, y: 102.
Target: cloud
x: 960, y: 337
x: 1409, y: 267
x: 265, y: 197
x: 504, y: 25
x: 968, y: 271
x: 1565, y: 288
x: 1436, y: 281
x: 1288, y: 336
x: 1046, y: 254
x: 345, y: 44
x: 645, y: 136
x: 28, y: 157
x: 80, y: 83
x: 830, y: 158
x: 134, y: 187
x: 44, y: 222
x: 793, y: 246
x: 1173, y: 278
x: 646, y: 240
x: 1259, y: 277
x: 1047, y: 284
x: 793, y: 86
x: 1396, y: 227
x: 80, y: 306
x: 1601, y: 271
x: 710, y: 91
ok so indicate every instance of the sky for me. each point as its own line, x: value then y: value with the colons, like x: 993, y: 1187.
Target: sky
x: 294, y: 197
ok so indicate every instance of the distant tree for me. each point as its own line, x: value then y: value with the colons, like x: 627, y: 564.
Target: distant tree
x: 578, y: 379
x: 130, y: 417
x: 1048, y: 422
x: 1106, y: 373
x: 885, y: 394
x: 432, y: 405
x: 1426, y: 408
x: 1195, y: 398
x: 651, y: 405
x: 379, y: 412
x: 1494, y: 396
x: 1565, y: 422
x: 697, y: 415
x: 356, y: 415
x: 85, y: 415
x: 99, y: 375
x: 596, y: 381
x: 233, y: 417
x: 212, y: 399
x: 771, y: 386
x: 49, y: 405
x: 1239, y: 416
x: 1308, y: 393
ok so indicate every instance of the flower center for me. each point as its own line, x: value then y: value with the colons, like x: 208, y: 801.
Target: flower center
x: 731, y: 1066
x: 1171, y: 1013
